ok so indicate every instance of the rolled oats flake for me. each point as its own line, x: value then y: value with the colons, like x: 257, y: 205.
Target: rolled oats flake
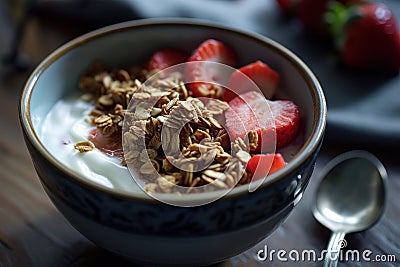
x: 252, y: 137
x: 147, y: 168
x: 243, y: 156
x: 84, y: 146
x: 151, y: 188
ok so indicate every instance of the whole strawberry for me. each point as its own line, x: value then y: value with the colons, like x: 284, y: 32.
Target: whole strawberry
x: 367, y: 35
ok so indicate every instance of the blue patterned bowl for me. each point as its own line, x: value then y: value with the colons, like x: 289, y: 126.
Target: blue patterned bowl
x: 133, y: 224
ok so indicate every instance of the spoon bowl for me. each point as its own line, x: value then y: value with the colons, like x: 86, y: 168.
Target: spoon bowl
x: 350, y: 198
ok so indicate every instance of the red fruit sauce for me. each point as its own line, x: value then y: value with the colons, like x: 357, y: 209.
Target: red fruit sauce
x: 110, y: 145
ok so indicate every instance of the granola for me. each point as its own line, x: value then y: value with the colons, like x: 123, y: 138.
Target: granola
x: 84, y: 146
x: 200, y: 154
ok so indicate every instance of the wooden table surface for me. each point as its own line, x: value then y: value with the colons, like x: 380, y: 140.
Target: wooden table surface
x: 34, y: 233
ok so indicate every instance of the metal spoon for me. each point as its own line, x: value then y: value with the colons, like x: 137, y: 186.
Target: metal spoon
x: 350, y: 198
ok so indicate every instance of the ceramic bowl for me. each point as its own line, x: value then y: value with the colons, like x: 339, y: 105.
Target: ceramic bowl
x: 132, y: 224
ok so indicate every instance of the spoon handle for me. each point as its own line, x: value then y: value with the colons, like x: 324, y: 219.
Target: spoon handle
x: 336, y: 242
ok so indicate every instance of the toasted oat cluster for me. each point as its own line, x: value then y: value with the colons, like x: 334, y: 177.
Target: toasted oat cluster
x: 84, y: 146
x: 112, y: 90
x: 200, y: 154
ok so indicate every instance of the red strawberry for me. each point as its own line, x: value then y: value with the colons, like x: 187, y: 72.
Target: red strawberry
x: 367, y: 36
x: 261, y: 165
x: 311, y: 13
x: 166, y: 58
x: 201, y: 76
x: 278, y: 119
x: 261, y: 74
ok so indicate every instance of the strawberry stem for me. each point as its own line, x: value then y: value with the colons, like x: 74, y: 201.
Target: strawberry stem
x: 336, y: 18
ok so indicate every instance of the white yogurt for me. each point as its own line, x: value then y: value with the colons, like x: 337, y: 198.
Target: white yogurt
x: 66, y: 124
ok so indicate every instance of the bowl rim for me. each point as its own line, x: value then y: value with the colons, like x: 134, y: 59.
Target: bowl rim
x: 310, y: 145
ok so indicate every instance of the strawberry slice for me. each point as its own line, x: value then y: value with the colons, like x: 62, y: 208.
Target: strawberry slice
x: 261, y: 165
x: 260, y: 73
x: 276, y: 122
x: 201, y: 77
x: 166, y: 58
